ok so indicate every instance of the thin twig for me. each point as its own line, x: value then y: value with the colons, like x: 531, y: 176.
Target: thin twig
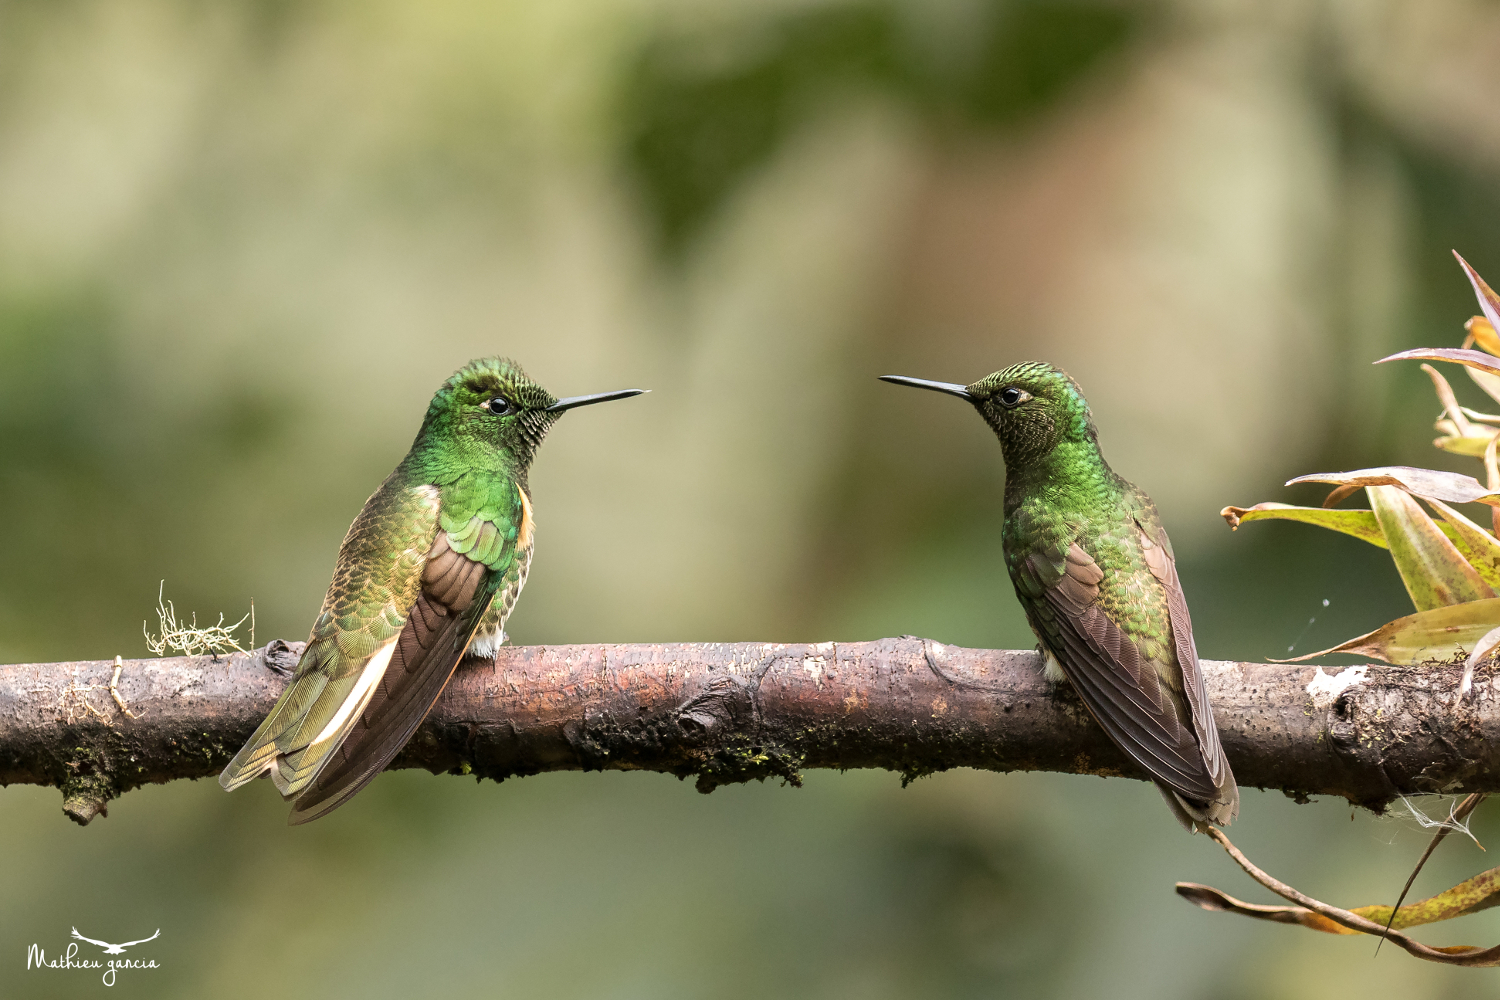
x: 1461, y: 955
x: 1455, y: 817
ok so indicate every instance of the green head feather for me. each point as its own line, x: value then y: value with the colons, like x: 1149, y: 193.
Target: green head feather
x: 1032, y: 408
x: 488, y: 415
x: 489, y: 418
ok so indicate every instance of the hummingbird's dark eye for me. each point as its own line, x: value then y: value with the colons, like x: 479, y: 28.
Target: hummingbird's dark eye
x: 1010, y: 396
x: 500, y: 406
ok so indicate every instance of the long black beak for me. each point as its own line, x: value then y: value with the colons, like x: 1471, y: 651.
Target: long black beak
x: 598, y: 397
x: 951, y: 388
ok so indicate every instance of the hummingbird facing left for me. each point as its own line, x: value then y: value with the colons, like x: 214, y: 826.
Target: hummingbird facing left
x: 430, y: 569
x: 1094, y: 571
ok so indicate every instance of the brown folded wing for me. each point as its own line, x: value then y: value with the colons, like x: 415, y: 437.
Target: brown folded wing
x: 438, y: 629
x: 1121, y: 687
x: 1159, y: 559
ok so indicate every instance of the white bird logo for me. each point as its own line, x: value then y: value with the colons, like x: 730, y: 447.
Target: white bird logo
x: 116, y: 949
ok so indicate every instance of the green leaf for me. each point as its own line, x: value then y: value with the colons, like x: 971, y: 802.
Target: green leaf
x: 1478, y: 546
x: 1452, y: 487
x: 1359, y: 523
x: 1434, y: 571
x: 1445, y: 633
x: 1362, y: 525
x: 1470, y: 447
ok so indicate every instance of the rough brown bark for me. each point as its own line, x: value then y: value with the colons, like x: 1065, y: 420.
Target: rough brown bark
x: 729, y: 712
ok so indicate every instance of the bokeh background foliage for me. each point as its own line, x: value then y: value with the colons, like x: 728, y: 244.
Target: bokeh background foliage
x: 242, y: 242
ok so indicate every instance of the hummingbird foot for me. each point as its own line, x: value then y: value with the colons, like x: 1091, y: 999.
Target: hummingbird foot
x: 486, y: 644
x: 1051, y: 669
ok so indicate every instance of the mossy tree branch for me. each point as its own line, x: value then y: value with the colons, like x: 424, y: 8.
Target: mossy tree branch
x: 729, y: 712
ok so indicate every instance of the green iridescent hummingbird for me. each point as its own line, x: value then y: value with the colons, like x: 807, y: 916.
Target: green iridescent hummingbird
x: 1094, y: 571
x: 428, y: 572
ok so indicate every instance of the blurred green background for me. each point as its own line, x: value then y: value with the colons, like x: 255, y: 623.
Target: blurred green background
x: 241, y: 243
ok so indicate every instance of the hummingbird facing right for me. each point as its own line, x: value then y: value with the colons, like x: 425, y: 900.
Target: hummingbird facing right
x: 430, y: 569
x: 1094, y: 571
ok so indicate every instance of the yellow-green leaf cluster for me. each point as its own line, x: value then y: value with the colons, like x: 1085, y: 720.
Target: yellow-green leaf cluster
x: 1450, y: 565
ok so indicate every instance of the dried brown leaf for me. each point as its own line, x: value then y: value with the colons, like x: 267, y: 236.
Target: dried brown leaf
x: 1489, y: 303
x: 1451, y: 487
x: 1450, y: 402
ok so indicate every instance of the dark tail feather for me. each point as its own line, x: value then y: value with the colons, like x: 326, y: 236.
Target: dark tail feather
x: 1195, y: 817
